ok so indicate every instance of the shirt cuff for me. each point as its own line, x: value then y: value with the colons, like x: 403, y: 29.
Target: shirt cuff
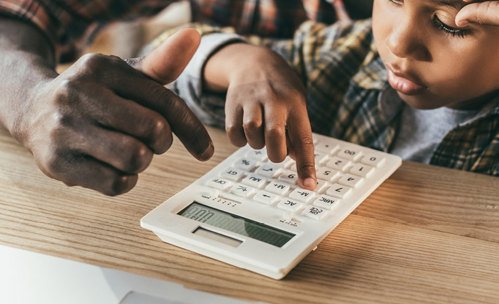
x: 189, y: 85
x: 193, y: 72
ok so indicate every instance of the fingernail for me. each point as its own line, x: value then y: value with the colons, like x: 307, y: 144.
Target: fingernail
x: 309, y: 182
x: 462, y: 23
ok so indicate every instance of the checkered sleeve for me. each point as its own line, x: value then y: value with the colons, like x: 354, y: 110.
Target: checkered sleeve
x: 66, y: 23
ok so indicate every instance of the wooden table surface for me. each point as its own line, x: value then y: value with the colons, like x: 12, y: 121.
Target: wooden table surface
x: 427, y: 235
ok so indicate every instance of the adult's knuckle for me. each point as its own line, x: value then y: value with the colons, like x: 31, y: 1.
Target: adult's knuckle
x: 51, y: 161
x: 59, y: 123
x: 120, y: 184
x: 99, y: 65
x: 137, y: 158
x: 56, y: 160
x: 92, y: 61
x: 64, y: 91
x: 157, y: 127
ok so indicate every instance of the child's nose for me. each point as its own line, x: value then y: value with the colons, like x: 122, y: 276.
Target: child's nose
x: 408, y: 39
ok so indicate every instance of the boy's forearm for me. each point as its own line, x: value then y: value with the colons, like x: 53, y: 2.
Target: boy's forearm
x: 26, y: 59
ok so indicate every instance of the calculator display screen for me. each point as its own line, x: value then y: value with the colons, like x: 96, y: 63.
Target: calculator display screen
x: 236, y: 224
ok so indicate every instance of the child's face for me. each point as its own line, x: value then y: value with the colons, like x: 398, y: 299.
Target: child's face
x: 431, y: 63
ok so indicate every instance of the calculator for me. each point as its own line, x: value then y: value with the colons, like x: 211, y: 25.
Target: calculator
x: 250, y: 212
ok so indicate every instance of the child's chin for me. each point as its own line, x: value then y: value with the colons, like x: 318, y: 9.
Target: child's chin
x: 420, y: 102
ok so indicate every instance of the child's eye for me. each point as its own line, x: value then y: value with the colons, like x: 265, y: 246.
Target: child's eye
x: 455, y: 32
x: 396, y: 2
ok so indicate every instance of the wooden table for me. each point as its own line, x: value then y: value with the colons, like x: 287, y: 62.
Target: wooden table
x: 427, y: 235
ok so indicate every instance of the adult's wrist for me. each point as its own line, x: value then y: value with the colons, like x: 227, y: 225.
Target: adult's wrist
x: 26, y: 61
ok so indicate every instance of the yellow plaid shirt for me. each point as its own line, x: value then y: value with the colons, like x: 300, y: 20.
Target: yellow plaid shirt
x: 344, y: 77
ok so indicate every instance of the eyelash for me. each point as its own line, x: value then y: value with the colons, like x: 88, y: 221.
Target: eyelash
x: 454, y: 32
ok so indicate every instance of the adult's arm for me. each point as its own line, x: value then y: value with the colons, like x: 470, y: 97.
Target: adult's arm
x: 99, y: 122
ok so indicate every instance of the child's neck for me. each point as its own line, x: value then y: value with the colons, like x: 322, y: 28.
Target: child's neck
x: 475, y: 103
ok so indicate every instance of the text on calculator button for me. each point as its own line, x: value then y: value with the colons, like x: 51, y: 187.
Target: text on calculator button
x: 338, y: 190
x: 290, y: 205
x: 219, y: 183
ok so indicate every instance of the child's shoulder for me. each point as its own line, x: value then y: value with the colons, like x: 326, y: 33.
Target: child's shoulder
x: 337, y: 30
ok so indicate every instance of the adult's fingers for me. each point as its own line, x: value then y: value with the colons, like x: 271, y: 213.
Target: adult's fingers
x: 134, y: 85
x: 90, y: 173
x: 128, y: 117
x: 125, y: 153
x: 164, y: 65
x: 302, y: 144
x: 486, y: 12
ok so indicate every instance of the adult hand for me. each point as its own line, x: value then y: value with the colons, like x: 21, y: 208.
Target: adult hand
x: 481, y: 12
x: 265, y: 105
x: 99, y: 122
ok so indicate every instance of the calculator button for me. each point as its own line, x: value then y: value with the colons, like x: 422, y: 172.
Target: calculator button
x: 268, y: 169
x: 233, y: 174
x: 372, y: 160
x: 314, y: 212
x: 254, y: 180
x: 278, y: 188
x: 242, y: 190
x: 349, y: 153
x: 301, y: 195
x: 322, y: 186
x: 290, y: 205
x: 337, y: 163
x: 338, y: 190
x: 326, y: 201
x: 246, y: 164
x: 287, y: 162
x: 361, y: 170
x: 288, y: 177
x: 326, y: 174
x: 258, y: 155
x: 326, y: 147
x: 320, y: 158
x: 208, y: 192
x: 265, y: 197
x: 219, y: 183
x: 350, y: 180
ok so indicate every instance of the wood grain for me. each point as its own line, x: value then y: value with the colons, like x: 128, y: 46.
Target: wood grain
x: 427, y: 235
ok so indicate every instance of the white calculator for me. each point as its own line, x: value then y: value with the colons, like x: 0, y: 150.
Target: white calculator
x: 250, y: 212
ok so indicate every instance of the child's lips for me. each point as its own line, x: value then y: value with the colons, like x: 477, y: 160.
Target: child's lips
x: 400, y: 82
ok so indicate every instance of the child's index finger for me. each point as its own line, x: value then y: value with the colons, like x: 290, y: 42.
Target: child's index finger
x: 300, y: 136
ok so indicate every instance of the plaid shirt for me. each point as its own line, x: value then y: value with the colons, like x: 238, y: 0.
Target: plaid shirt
x: 346, y: 80
x: 70, y: 23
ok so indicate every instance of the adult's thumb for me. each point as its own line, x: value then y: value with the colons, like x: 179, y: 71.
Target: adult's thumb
x: 486, y: 12
x: 166, y: 62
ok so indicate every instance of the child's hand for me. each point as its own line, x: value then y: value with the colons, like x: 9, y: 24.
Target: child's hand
x: 265, y: 105
x: 481, y: 12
